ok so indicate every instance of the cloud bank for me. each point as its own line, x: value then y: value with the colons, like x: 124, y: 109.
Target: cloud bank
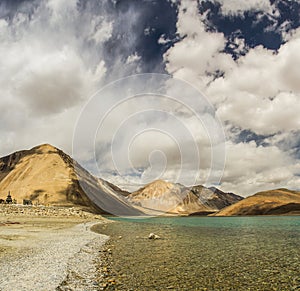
x: 243, y: 56
x: 258, y: 92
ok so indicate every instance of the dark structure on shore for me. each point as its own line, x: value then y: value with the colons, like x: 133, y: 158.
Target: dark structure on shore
x: 8, y: 198
x: 27, y: 202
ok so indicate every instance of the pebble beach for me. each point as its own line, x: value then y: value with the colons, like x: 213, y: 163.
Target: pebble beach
x: 49, y: 248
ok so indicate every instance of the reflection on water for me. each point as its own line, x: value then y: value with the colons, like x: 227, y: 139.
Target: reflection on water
x: 207, y: 253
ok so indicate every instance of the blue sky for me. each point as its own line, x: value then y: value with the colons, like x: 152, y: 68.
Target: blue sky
x: 243, y: 56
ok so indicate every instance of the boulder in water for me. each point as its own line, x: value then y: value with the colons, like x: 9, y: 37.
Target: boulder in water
x: 153, y: 236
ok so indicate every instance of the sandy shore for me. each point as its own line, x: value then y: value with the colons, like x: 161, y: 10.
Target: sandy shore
x: 48, y: 249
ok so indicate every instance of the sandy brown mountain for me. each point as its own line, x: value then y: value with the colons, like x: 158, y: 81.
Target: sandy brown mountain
x: 46, y: 175
x: 273, y: 202
x: 177, y: 199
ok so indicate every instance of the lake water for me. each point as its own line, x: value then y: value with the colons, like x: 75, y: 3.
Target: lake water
x: 206, y: 253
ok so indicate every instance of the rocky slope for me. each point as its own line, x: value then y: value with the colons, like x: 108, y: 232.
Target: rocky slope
x: 46, y: 175
x: 172, y: 198
x: 273, y: 202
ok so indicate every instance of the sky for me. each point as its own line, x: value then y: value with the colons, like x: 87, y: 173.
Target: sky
x: 215, y: 102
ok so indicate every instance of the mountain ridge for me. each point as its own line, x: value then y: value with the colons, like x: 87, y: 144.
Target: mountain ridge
x: 46, y: 175
x: 174, y: 198
x: 280, y: 201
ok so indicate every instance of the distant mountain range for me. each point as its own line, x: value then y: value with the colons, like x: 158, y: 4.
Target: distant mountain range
x: 177, y: 199
x: 272, y: 202
x: 46, y: 175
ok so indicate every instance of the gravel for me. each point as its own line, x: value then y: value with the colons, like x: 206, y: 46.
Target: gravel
x: 17, y: 210
x: 62, y: 259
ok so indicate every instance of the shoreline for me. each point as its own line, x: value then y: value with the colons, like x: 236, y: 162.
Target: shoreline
x: 42, y: 251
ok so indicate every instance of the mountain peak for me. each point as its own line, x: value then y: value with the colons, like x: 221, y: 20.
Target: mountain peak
x: 158, y: 187
x: 45, y: 148
x: 159, y: 182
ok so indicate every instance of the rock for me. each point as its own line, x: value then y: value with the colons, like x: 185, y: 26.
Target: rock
x: 153, y: 236
x: 103, y: 285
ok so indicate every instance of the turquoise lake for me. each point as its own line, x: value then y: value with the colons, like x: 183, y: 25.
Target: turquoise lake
x: 206, y: 253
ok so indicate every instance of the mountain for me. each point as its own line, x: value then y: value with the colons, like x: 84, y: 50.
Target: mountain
x: 165, y: 197
x: 273, y: 202
x: 46, y: 175
x: 158, y: 196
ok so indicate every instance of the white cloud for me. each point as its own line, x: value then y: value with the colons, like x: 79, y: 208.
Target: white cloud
x: 199, y: 52
x: 133, y: 58
x: 234, y: 7
x: 261, y: 92
x: 60, y: 6
x: 52, y: 60
x: 250, y: 168
x: 258, y: 92
x: 50, y: 63
x: 53, y: 82
x: 101, y: 29
x: 153, y: 135
x: 262, y: 116
x: 163, y: 40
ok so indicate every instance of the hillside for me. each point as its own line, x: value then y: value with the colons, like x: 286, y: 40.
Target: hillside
x: 46, y: 175
x: 273, y: 202
x: 177, y: 199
